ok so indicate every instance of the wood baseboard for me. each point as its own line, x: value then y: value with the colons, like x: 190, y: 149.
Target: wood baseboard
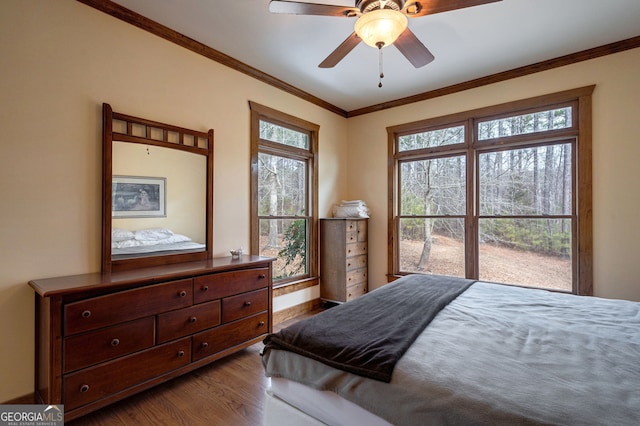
x: 297, y: 310
x: 27, y: 399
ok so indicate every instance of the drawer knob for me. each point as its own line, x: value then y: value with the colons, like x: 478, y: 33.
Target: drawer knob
x: 247, y: 303
x: 205, y: 345
x: 261, y: 324
x: 183, y: 293
x: 115, y: 342
x: 180, y: 354
x: 84, y: 388
x: 86, y: 314
x: 193, y: 319
x: 262, y: 276
x: 205, y: 288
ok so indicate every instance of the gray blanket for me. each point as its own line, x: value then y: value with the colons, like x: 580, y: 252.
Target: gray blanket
x: 387, y: 321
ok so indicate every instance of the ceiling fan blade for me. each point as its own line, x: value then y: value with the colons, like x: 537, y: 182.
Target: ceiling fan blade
x: 341, y: 51
x: 415, y: 8
x: 413, y: 49
x: 299, y: 8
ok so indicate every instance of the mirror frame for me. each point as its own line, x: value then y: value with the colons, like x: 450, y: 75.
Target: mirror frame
x: 108, y: 137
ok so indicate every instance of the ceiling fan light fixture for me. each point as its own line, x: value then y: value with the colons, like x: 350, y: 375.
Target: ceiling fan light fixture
x: 381, y: 26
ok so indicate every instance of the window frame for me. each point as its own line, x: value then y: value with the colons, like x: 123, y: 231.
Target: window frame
x: 310, y: 157
x: 579, y: 134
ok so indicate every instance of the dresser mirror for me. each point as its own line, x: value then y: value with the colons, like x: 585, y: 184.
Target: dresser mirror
x: 157, y: 193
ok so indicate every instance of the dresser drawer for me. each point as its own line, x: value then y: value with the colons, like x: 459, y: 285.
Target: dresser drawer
x: 84, y: 350
x: 243, y: 305
x: 126, y: 305
x: 105, y: 379
x: 356, y: 290
x: 356, y: 249
x: 362, y: 231
x: 356, y: 231
x: 223, y: 284
x: 356, y: 262
x: 351, y: 226
x: 357, y: 276
x: 228, y: 335
x: 182, y: 322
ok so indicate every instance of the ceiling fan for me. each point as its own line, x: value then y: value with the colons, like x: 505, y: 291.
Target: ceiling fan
x: 380, y: 23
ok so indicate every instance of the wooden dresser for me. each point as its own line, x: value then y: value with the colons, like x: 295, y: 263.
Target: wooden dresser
x: 103, y: 337
x: 343, y: 258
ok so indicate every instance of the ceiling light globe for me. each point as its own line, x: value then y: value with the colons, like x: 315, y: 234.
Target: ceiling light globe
x: 381, y: 26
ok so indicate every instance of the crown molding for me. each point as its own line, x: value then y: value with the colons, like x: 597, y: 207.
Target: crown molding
x: 168, y: 34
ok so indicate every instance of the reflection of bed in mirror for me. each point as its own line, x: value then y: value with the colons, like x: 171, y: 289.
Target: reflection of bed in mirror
x: 127, y: 244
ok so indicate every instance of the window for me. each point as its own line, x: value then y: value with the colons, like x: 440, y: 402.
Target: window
x: 501, y: 194
x: 284, y: 193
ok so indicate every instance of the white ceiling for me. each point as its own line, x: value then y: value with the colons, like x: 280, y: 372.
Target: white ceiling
x: 467, y: 43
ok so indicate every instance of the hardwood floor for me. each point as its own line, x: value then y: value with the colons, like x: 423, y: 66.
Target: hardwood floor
x: 228, y: 392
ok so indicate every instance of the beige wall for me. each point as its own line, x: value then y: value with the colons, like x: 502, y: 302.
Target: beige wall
x: 616, y: 160
x: 62, y: 59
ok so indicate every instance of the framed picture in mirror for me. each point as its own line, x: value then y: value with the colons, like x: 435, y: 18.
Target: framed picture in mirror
x: 137, y: 196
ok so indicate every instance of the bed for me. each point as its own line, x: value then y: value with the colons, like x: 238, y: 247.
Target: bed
x: 479, y: 353
x: 150, y: 240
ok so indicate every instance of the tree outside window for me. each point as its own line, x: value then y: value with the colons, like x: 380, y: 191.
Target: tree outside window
x: 284, y: 193
x: 502, y: 197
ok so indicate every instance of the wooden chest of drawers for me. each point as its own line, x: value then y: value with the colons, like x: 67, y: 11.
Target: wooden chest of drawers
x: 103, y: 337
x: 343, y: 259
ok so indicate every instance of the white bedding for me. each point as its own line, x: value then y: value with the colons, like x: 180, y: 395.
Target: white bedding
x: 325, y: 406
x: 141, y: 249
x: 279, y: 412
x: 503, y: 355
x: 150, y: 240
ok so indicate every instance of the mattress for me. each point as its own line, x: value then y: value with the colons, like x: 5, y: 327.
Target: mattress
x: 173, y: 247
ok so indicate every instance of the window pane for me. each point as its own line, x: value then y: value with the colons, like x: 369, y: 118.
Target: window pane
x: 286, y: 240
x: 432, y: 138
x: 282, y: 186
x: 433, y: 187
x: 528, y: 123
x: 434, y: 246
x: 283, y: 135
x: 530, y: 252
x: 530, y: 181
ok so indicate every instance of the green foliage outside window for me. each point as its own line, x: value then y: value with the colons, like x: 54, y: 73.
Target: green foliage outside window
x: 294, y: 251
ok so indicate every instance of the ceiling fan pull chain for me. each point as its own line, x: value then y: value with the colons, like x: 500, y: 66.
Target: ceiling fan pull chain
x: 380, y: 64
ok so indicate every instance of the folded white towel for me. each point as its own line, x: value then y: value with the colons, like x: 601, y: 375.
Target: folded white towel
x: 353, y: 203
x: 350, y: 211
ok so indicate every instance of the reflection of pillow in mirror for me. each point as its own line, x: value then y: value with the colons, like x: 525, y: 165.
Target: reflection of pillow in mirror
x: 128, y: 243
x: 153, y: 234
x: 119, y: 234
x: 175, y: 238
